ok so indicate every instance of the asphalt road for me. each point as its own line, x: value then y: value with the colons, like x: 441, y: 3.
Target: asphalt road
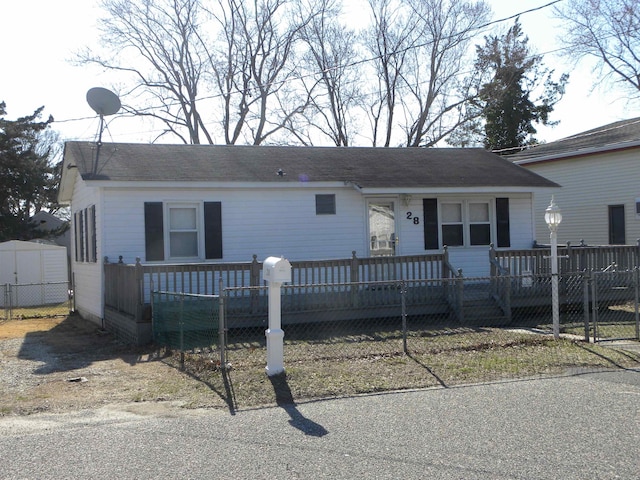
x: 579, y: 427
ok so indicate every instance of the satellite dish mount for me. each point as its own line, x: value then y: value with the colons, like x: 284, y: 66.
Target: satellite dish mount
x: 104, y: 102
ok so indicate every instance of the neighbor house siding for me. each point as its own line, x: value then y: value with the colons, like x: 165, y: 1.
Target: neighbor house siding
x: 589, y: 184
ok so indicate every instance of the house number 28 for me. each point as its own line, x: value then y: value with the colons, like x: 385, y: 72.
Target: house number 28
x: 415, y: 220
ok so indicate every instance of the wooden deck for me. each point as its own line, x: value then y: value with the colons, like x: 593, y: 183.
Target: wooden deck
x: 368, y: 288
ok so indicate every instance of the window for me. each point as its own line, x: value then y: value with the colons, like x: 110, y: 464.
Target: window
x: 452, y: 226
x: 616, y: 225
x: 465, y: 223
x: 191, y: 231
x: 183, y: 232
x: 479, y: 224
x: 325, y: 204
x: 84, y: 225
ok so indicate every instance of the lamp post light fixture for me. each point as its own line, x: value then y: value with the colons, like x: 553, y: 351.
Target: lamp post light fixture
x: 553, y: 217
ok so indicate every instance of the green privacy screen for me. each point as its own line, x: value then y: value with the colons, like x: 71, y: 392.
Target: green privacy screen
x: 185, y: 321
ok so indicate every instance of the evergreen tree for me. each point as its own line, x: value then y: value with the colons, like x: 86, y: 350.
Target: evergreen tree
x: 28, y: 180
x: 504, y: 105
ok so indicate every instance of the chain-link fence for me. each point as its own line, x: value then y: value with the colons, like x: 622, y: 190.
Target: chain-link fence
x: 35, y: 300
x: 424, y: 332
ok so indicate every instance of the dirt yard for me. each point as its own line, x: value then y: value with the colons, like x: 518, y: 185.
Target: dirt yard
x: 66, y: 363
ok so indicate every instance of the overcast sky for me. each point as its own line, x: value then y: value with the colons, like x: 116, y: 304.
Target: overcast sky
x: 40, y: 36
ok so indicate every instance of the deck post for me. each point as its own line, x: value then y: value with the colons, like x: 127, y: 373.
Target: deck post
x: 139, y: 290
x: 254, y: 281
x: 354, y: 274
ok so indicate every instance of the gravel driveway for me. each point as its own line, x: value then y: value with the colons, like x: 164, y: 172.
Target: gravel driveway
x: 62, y: 364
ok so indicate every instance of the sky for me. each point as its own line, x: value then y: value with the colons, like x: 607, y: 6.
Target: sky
x: 41, y: 36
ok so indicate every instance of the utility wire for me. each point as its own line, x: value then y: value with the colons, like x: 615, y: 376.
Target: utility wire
x: 357, y: 62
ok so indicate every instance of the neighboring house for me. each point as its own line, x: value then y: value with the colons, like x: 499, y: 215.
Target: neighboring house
x: 197, y: 203
x: 599, y: 172
x: 52, y: 226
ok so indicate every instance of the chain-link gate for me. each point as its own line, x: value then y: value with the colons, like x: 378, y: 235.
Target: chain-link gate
x: 35, y: 300
x: 614, y: 305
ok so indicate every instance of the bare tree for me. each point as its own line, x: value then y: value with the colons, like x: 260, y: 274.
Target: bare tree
x: 155, y: 41
x: 388, y: 40
x: 332, y: 83
x: 254, y: 65
x: 421, y: 49
x: 437, y: 89
x: 608, y: 32
x: 224, y: 70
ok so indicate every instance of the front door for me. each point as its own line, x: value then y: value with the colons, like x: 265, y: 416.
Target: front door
x: 382, y: 228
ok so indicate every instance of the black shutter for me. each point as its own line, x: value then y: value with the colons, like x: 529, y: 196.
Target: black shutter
x: 212, y: 230
x: 430, y: 208
x: 93, y: 244
x: 502, y: 222
x: 77, y: 229
x: 153, y: 231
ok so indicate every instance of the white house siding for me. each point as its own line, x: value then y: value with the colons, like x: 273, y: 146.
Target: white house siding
x: 474, y: 260
x: 263, y: 222
x: 87, y: 276
x: 589, y: 185
x: 267, y: 222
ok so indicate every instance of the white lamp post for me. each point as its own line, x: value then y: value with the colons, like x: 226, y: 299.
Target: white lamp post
x: 553, y: 217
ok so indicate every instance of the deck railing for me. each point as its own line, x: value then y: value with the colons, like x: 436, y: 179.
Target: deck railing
x: 580, y: 258
x: 128, y: 288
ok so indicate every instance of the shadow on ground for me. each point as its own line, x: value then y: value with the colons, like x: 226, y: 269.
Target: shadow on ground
x: 75, y: 343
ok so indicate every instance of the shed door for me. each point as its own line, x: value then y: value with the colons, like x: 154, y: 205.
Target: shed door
x: 382, y: 228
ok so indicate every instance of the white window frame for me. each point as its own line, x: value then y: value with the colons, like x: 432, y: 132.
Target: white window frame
x: 444, y: 223
x: 466, y: 220
x: 484, y: 222
x: 198, y: 207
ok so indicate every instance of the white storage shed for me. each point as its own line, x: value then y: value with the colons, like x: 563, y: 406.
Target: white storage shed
x: 35, y: 272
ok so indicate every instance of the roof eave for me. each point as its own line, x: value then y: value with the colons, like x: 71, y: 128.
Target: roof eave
x: 578, y: 153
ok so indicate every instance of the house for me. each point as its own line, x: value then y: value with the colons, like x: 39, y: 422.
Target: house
x: 55, y: 229
x: 195, y: 203
x: 599, y: 171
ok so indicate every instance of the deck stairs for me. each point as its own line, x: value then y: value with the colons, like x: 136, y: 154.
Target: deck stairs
x: 481, y: 308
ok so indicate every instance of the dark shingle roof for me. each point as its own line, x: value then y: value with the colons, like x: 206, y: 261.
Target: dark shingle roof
x: 615, y: 135
x: 363, y: 166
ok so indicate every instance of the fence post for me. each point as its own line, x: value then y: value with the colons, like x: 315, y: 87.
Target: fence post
x: 181, y: 325
x: 585, y: 302
x: 594, y: 302
x: 403, y: 294
x: 7, y: 301
x: 637, y: 312
x: 460, y: 295
x: 222, y: 331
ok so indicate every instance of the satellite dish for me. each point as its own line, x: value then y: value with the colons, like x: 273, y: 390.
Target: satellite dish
x: 103, y: 101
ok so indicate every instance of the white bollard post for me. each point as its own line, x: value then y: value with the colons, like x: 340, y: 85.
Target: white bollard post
x: 275, y: 334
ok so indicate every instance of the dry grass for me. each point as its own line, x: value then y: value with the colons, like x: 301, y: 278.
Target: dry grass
x: 316, y: 369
